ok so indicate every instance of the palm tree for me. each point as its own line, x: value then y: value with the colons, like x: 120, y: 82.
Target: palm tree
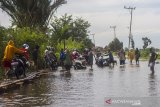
x: 30, y: 13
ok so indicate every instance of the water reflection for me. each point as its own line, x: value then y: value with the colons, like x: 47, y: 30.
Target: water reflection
x: 85, y: 88
x: 152, y: 85
x: 66, y: 74
x: 122, y: 68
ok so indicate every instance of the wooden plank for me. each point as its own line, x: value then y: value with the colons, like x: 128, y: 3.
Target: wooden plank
x: 10, y: 84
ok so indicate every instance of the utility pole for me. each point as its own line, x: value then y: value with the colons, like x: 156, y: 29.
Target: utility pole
x: 130, y: 28
x: 114, y: 29
x: 94, y: 40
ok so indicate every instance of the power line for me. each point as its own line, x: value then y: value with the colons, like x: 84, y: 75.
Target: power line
x: 130, y: 28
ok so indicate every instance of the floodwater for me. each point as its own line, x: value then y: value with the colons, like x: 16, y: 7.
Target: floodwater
x: 86, y: 88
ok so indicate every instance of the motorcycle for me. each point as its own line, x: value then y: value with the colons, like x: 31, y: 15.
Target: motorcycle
x: 79, y: 63
x: 18, y: 66
x: 51, y: 63
x: 102, y: 60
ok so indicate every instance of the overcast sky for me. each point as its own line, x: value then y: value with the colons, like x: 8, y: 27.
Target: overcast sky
x: 105, y: 13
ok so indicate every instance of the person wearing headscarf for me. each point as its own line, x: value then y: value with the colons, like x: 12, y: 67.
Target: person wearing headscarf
x: 121, y: 56
x: 68, y: 60
x: 9, y: 52
x: 131, y: 55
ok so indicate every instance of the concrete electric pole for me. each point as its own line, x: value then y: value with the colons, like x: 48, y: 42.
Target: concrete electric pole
x: 94, y: 40
x: 130, y: 28
x: 114, y: 29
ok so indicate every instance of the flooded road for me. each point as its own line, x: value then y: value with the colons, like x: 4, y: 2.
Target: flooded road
x: 85, y: 88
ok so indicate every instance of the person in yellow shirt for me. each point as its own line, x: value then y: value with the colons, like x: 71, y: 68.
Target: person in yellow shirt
x: 9, y: 52
x: 131, y: 55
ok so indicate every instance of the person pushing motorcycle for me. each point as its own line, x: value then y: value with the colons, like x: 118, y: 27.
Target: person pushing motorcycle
x: 9, y: 52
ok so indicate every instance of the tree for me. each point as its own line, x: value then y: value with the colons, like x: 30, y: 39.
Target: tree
x: 30, y: 13
x: 115, y: 45
x: 88, y: 43
x: 61, y: 28
x: 146, y: 42
x: 2, y: 41
x: 80, y: 29
x: 65, y: 27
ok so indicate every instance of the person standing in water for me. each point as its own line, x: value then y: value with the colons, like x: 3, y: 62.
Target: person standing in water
x: 122, y: 58
x: 137, y: 56
x: 68, y: 61
x: 90, y: 58
x: 131, y: 55
x: 152, y: 59
x: 111, y: 58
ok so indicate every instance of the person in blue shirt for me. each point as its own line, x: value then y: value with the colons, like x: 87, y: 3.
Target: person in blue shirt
x: 62, y: 57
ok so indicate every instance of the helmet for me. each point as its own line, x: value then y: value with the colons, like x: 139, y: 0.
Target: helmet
x: 26, y: 46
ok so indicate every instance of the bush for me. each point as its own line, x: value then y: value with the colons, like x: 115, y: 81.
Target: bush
x: 25, y: 35
x: 145, y: 53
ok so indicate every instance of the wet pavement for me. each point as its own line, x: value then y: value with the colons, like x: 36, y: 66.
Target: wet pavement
x: 86, y: 88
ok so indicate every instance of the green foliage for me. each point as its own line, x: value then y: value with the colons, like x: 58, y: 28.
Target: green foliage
x: 1, y: 73
x: 32, y: 38
x: 88, y: 43
x: 126, y: 49
x: 71, y: 44
x: 30, y: 13
x: 115, y: 45
x: 3, y: 40
x: 80, y: 29
x: 25, y: 35
x: 61, y: 28
x: 66, y: 27
x: 145, y: 53
x: 65, y: 30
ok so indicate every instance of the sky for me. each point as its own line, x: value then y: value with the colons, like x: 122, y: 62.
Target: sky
x: 102, y: 14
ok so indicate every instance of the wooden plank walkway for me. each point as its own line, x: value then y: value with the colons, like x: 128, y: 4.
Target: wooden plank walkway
x: 11, y: 84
